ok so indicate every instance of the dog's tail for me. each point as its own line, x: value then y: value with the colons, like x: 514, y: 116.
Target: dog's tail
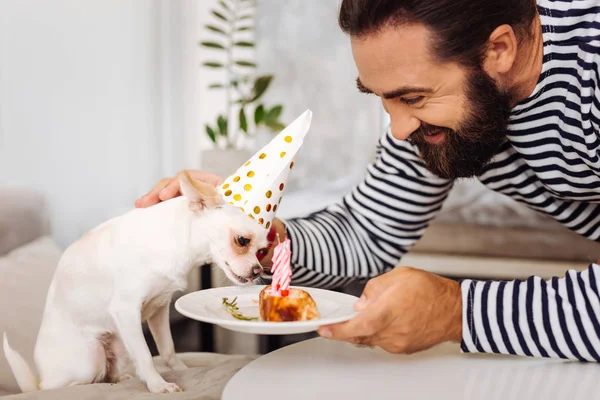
x: 25, y: 378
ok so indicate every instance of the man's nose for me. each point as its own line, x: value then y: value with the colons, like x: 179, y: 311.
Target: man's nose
x: 403, y: 124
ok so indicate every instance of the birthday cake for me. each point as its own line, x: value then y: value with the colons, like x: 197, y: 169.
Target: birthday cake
x: 277, y: 301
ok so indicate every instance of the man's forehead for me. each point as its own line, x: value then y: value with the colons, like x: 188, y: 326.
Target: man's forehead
x: 395, y: 59
x: 410, y: 42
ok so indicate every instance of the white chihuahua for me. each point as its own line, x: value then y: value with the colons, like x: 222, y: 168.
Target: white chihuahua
x: 123, y: 273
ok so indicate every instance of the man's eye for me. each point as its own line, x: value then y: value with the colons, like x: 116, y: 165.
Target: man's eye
x: 412, y: 100
x: 242, y: 241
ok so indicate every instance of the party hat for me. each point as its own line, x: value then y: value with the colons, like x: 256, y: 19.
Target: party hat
x: 257, y: 187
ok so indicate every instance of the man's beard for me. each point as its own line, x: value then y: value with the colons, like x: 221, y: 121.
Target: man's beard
x: 465, y: 152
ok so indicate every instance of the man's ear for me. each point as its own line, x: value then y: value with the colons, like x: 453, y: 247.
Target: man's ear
x: 502, y: 51
x: 200, y: 195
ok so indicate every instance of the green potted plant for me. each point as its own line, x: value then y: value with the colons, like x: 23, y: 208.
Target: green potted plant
x: 229, y: 36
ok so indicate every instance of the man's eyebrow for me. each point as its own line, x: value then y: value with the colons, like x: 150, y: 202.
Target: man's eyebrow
x: 362, y: 88
x: 403, y: 91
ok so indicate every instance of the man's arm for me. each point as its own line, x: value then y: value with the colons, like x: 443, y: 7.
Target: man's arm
x: 555, y: 318
x: 370, y: 229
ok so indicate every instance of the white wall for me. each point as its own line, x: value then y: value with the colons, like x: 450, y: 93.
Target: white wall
x: 99, y: 100
x: 91, y: 103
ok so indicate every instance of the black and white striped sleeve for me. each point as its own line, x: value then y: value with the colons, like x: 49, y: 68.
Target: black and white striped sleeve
x: 367, y: 232
x: 555, y: 318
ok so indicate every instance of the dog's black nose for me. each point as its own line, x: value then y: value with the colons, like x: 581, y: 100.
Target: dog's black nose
x: 257, y: 270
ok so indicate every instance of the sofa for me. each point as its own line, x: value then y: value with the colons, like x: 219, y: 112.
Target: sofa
x: 28, y: 257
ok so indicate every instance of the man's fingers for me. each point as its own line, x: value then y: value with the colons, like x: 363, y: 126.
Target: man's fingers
x: 169, y: 191
x: 363, y: 341
x: 373, y: 318
x: 172, y: 189
x: 167, y: 188
x: 206, y: 177
x: 360, y: 325
x: 373, y: 289
x: 361, y: 304
x: 151, y: 197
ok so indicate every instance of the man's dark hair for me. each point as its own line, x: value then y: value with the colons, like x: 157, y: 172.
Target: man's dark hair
x: 461, y: 28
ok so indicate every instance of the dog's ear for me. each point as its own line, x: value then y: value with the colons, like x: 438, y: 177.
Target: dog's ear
x: 201, y: 195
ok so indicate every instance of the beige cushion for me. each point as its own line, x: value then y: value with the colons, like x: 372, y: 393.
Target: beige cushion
x: 25, y: 275
x: 556, y: 244
x: 476, y: 221
x: 23, y: 217
x: 205, y: 379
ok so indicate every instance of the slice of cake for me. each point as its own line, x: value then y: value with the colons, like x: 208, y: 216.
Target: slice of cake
x: 278, y: 302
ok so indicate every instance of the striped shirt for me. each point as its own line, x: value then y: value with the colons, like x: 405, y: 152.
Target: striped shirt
x: 550, y: 162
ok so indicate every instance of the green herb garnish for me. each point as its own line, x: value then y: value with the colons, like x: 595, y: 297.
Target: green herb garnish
x: 234, y: 310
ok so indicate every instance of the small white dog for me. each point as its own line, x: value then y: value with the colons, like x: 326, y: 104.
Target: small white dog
x: 124, y: 272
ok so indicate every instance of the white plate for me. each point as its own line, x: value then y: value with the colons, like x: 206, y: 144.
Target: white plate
x: 207, y: 306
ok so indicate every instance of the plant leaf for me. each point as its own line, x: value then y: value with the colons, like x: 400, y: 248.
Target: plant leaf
x: 275, y: 126
x: 215, y: 29
x: 213, y: 45
x: 244, y: 28
x: 222, y: 123
x: 219, y: 15
x: 242, y: 63
x: 213, y: 64
x: 224, y: 5
x: 211, y: 134
x: 243, y: 120
x: 216, y: 86
x: 244, y: 44
x: 274, y: 113
x: 246, y: 17
x: 259, y: 114
x: 260, y: 86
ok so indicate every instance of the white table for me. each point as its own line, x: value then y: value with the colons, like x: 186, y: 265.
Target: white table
x: 324, y: 369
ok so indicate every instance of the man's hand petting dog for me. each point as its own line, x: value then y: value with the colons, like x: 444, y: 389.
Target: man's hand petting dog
x: 124, y: 272
x: 403, y: 311
x: 167, y: 188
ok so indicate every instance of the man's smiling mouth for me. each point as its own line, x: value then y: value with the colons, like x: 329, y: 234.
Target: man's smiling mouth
x: 435, y: 137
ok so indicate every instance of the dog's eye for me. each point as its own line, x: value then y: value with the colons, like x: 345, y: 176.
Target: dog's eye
x: 243, y: 241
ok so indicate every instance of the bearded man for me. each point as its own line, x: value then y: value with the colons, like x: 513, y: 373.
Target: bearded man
x: 504, y: 91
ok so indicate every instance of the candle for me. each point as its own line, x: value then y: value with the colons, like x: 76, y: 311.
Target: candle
x: 282, y: 269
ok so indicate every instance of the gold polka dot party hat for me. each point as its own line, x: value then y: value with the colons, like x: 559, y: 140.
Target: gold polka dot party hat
x: 257, y: 186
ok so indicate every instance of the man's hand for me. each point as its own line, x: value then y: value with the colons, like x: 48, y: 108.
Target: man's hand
x: 404, y: 311
x: 168, y: 188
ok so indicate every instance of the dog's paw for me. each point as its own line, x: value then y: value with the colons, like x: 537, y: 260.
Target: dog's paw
x: 164, y: 387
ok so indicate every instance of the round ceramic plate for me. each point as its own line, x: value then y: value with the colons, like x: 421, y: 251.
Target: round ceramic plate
x: 207, y: 306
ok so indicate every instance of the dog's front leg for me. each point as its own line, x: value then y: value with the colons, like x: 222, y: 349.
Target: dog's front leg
x: 128, y: 319
x: 161, y: 332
